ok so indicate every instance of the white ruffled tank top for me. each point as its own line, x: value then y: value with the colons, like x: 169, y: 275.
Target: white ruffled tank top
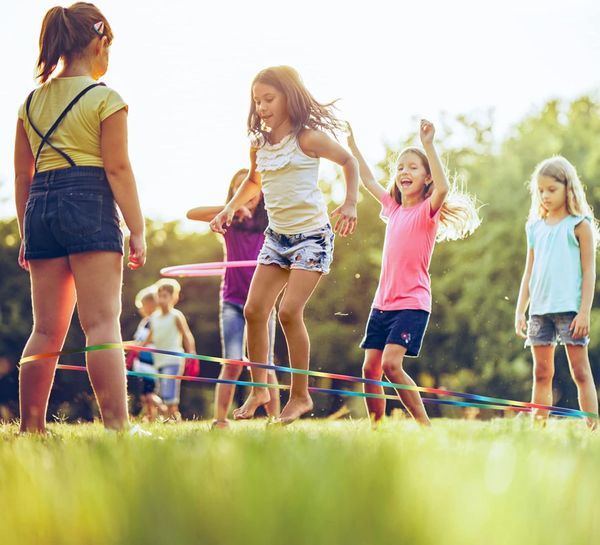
x: 293, y: 200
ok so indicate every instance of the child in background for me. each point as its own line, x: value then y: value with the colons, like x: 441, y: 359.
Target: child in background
x: 287, y: 126
x: 420, y: 206
x: 169, y: 331
x: 243, y: 241
x: 558, y: 282
x: 146, y: 302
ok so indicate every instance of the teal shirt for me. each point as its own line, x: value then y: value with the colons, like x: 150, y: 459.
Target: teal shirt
x: 556, y: 278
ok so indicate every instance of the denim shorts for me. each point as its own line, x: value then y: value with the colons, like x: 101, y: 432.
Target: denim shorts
x: 168, y: 388
x: 69, y: 211
x: 545, y: 329
x: 310, y: 251
x: 233, y: 328
x: 403, y: 327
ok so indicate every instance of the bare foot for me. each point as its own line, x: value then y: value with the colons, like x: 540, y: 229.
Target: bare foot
x: 256, y: 399
x: 424, y: 421
x: 592, y: 423
x: 219, y: 424
x: 294, y: 409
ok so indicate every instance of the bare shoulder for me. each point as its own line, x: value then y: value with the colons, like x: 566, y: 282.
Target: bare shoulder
x: 584, y: 228
x: 179, y: 316
x: 312, y: 141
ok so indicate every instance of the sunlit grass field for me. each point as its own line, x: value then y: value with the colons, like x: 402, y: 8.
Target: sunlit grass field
x: 498, y: 482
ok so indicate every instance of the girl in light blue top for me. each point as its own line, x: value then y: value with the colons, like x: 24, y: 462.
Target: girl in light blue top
x: 558, y: 282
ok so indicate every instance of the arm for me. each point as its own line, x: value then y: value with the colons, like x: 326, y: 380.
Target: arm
x: 523, y: 301
x: 189, y: 345
x: 366, y: 176
x: 148, y: 340
x: 581, y: 323
x: 248, y: 189
x: 115, y: 157
x: 24, y: 169
x: 207, y: 213
x: 317, y: 144
x: 204, y: 213
x: 438, y: 176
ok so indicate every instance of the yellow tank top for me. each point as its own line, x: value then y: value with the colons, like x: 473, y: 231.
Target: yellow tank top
x: 78, y: 135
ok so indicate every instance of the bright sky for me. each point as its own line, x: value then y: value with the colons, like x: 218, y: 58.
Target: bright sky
x: 185, y: 68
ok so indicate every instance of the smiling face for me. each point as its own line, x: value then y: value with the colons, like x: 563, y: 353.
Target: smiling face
x: 270, y: 105
x: 412, y: 176
x: 553, y: 194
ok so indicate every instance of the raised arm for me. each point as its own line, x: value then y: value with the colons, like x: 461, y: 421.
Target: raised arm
x: 248, y: 189
x: 438, y: 175
x: 115, y: 157
x: 24, y: 169
x: 523, y: 300
x: 317, y: 144
x: 581, y: 323
x: 366, y: 176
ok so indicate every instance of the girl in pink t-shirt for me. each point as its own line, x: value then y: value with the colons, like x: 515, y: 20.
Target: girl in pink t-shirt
x: 420, y: 207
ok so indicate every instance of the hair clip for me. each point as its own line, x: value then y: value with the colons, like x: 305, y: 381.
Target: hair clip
x: 99, y: 28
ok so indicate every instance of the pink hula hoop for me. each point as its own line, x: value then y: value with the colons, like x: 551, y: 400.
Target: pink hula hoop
x: 216, y: 268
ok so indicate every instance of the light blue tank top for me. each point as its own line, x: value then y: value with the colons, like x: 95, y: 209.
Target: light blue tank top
x: 556, y: 278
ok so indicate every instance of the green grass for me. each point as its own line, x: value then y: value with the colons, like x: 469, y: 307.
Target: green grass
x: 317, y: 482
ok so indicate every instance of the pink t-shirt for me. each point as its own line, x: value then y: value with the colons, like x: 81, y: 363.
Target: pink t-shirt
x: 404, y: 283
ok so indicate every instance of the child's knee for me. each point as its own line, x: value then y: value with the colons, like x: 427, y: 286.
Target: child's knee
x: 289, y: 315
x: 232, y: 372
x: 372, y: 370
x: 391, y: 366
x: 543, y: 373
x: 256, y: 313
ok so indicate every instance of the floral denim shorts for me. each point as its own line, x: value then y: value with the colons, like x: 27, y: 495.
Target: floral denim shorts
x: 545, y: 329
x: 310, y: 251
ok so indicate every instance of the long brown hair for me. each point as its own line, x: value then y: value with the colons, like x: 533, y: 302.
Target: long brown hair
x: 65, y: 34
x: 458, y: 215
x: 261, y: 220
x: 304, y: 110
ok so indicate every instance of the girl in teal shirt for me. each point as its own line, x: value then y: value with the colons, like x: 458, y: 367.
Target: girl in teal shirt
x: 558, y: 282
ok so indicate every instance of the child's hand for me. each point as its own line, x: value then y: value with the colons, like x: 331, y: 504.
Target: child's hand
x: 427, y: 132
x: 23, y: 263
x: 346, y: 223
x: 521, y: 325
x: 137, y: 251
x: 350, y: 138
x: 580, y: 326
x: 222, y: 220
x: 243, y: 213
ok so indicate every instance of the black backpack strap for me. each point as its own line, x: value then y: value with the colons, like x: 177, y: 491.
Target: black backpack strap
x: 45, y: 137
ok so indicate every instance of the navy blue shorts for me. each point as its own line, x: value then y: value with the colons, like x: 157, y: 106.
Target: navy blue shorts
x: 69, y: 211
x: 148, y: 385
x: 403, y: 327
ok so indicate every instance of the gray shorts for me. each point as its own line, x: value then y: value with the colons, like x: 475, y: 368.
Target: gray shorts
x: 545, y: 329
x: 310, y: 251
